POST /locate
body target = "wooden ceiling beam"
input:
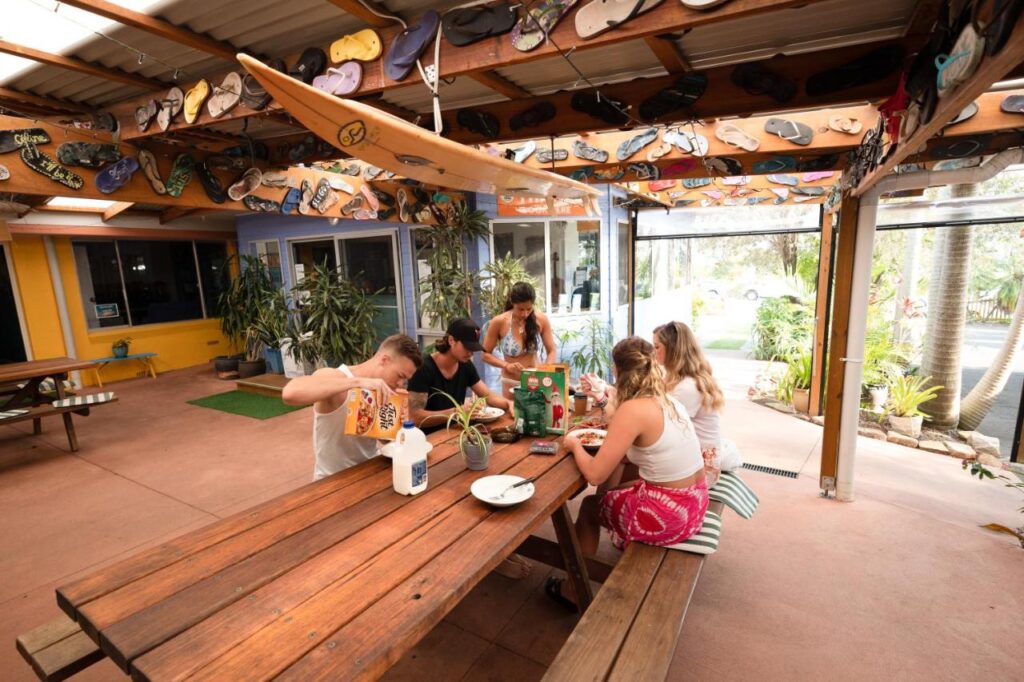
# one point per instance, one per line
(41, 102)
(359, 10)
(157, 27)
(668, 53)
(498, 52)
(500, 84)
(175, 212)
(990, 70)
(116, 210)
(88, 68)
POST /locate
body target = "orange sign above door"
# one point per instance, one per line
(538, 206)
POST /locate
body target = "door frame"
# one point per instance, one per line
(16, 291)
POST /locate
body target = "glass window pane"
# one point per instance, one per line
(575, 266)
(623, 237)
(161, 281)
(369, 262)
(526, 241)
(269, 252)
(100, 284)
(308, 254)
(213, 258)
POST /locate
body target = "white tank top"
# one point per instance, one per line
(675, 455)
(705, 421)
(333, 449)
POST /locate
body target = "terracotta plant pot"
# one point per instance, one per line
(908, 426)
(801, 400)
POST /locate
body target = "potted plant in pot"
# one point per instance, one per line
(798, 379)
(906, 395)
(475, 439)
(334, 317)
(239, 307)
(449, 286)
(120, 347)
(273, 326)
(253, 364)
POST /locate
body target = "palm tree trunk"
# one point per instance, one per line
(934, 290)
(948, 313)
(981, 398)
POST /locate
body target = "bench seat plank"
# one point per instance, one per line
(58, 649)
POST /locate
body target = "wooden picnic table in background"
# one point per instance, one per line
(337, 579)
(32, 374)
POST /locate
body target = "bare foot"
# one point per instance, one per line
(514, 567)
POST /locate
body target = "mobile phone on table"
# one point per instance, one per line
(543, 447)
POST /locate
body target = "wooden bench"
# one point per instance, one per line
(38, 413)
(631, 629)
(144, 358)
(58, 649)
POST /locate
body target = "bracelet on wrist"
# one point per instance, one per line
(602, 403)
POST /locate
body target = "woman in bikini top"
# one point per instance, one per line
(518, 334)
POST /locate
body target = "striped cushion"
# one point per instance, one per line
(83, 400)
(706, 539)
(7, 414)
(731, 491)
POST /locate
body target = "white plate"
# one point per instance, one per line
(487, 487)
(600, 432)
(386, 449)
(489, 414)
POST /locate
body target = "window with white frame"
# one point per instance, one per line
(269, 251)
(136, 282)
(563, 255)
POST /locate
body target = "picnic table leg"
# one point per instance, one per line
(575, 566)
(69, 426)
(152, 368)
(98, 379)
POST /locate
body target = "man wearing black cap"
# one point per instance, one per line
(449, 369)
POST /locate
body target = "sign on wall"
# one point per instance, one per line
(537, 206)
(106, 310)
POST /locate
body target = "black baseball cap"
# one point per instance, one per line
(467, 332)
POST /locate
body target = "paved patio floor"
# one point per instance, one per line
(901, 584)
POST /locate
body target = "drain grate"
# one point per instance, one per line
(770, 470)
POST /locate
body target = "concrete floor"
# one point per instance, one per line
(901, 584)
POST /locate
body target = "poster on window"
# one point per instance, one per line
(106, 310)
(511, 206)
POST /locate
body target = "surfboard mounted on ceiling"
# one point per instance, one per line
(388, 142)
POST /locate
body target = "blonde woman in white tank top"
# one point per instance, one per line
(650, 429)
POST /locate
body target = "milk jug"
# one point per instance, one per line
(409, 461)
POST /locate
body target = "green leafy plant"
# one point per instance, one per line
(907, 394)
(797, 376)
(339, 314)
(462, 416)
(496, 280)
(884, 359)
(241, 298)
(449, 286)
(782, 328)
(595, 353)
(254, 344)
(124, 341)
(982, 472)
(272, 321)
(564, 337)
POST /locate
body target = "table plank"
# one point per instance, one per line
(365, 647)
(293, 537)
(72, 596)
(19, 371)
(304, 563)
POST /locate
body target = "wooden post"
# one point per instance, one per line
(575, 564)
(822, 315)
(846, 242)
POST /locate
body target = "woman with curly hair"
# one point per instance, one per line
(651, 429)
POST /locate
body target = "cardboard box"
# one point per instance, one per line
(552, 382)
(369, 418)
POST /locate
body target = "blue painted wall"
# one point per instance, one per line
(260, 227)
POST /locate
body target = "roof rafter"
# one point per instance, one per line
(500, 84)
(88, 68)
(360, 11)
(157, 27)
(668, 53)
(117, 209)
(42, 102)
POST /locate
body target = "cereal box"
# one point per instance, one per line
(370, 418)
(551, 382)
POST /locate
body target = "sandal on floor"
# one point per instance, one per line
(553, 588)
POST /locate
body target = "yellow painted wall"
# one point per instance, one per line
(177, 344)
(37, 297)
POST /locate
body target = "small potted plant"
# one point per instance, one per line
(906, 395)
(120, 347)
(799, 371)
(475, 439)
(253, 364)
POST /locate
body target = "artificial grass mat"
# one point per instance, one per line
(245, 404)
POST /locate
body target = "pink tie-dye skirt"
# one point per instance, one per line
(652, 514)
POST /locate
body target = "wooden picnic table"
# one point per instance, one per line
(32, 374)
(334, 580)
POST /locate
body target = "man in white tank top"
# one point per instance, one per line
(327, 389)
